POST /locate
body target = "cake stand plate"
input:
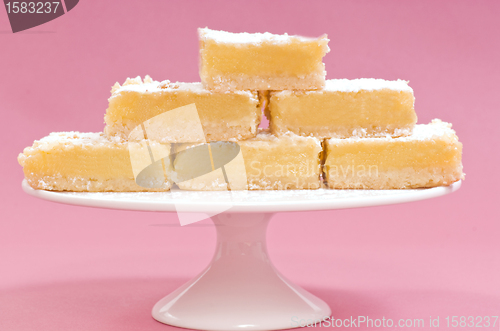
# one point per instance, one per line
(240, 289)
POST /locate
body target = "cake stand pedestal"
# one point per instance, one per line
(241, 289)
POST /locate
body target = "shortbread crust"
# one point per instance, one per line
(261, 61)
(74, 161)
(228, 116)
(345, 108)
(431, 156)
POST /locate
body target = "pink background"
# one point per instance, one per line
(75, 268)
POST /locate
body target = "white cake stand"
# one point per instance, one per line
(240, 289)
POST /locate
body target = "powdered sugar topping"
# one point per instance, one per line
(151, 86)
(56, 139)
(367, 84)
(248, 38)
(290, 138)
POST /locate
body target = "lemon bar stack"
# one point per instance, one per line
(337, 134)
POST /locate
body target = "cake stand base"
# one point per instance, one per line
(240, 289)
